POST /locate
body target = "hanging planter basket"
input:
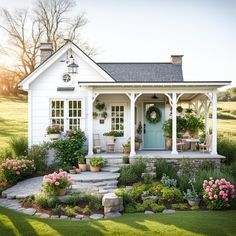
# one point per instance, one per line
(153, 115)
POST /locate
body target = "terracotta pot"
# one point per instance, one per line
(54, 136)
(61, 192)
(72, 171)
(77, 170)
(194, 202)
(83, 167)
(137, 146)
(95, 168)
(168, 143)
(126, 150)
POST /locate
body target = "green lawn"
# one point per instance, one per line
(13, 118)
(180, 223)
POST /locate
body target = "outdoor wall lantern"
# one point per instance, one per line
(72, 67)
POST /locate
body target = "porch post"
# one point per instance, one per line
(90, 122)
(214, 123)
(132, 124)
(206, 117)
(174, 128)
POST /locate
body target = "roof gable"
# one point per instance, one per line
(55, 56)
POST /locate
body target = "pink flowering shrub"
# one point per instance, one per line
(55, 181)
(14, 170)
(218, 194)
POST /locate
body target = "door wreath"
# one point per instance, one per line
(153, 115)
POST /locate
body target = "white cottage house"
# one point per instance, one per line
(56, 95)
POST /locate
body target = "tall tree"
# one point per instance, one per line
(50, 21)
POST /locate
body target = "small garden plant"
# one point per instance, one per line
(53, 183)
(17, 169)
(218, 194)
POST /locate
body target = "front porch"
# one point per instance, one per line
(125, 110)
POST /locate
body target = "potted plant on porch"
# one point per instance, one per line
(53, 132)
(96, 163)
(126, 148)
(82, 162)
(167, 127)
(138, 141)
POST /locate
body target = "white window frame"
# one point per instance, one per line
(124, 117)
(66, 112)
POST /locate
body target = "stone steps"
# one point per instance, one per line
(112, 169)
(93, 177)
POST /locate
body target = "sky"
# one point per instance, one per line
(204, 31)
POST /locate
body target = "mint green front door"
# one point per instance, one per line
(153, 133)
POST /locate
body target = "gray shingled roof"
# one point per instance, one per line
(143, 72)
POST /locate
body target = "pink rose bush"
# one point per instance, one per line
(218, 194)
(55, 181)
(14, 170)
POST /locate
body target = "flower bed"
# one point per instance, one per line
(218, 194)
(15, 170)
(54, 183)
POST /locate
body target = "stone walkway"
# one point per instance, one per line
(24, 188)
(99, 182)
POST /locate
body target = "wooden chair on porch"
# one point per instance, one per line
(96, 143)
(180, 144)
(110, 144)
(206, 146)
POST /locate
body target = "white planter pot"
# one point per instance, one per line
(53, 136)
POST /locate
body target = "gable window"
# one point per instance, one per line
(66, 113)
(117, 118)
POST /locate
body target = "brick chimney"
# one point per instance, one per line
(46, 51)
(176, 59)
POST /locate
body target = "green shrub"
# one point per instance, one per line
(157, 208)
(226, 146)
(207, 165)
(137, 191)
(194, 208)
(147, 179)
(122, 192)
(183, 182)
(140, 207)
(38, 153)
(133, 172)
(92, 201)
(19, 145)
(179, 206)
(56, 210)
(127, 175)
(97, 162)
(148, 202)
(44, 201)
(139, 166)
(16, 169)
(41, 201)
(229, 169)
(163, 167)
(166, 181)
(130, 208)
(69, 212)
(206, 174)
(86, 210)
(68, 149)
(73, 200)
(171, 194)
(156, 189)
(77, 209)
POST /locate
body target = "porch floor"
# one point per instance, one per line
(161, 154)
